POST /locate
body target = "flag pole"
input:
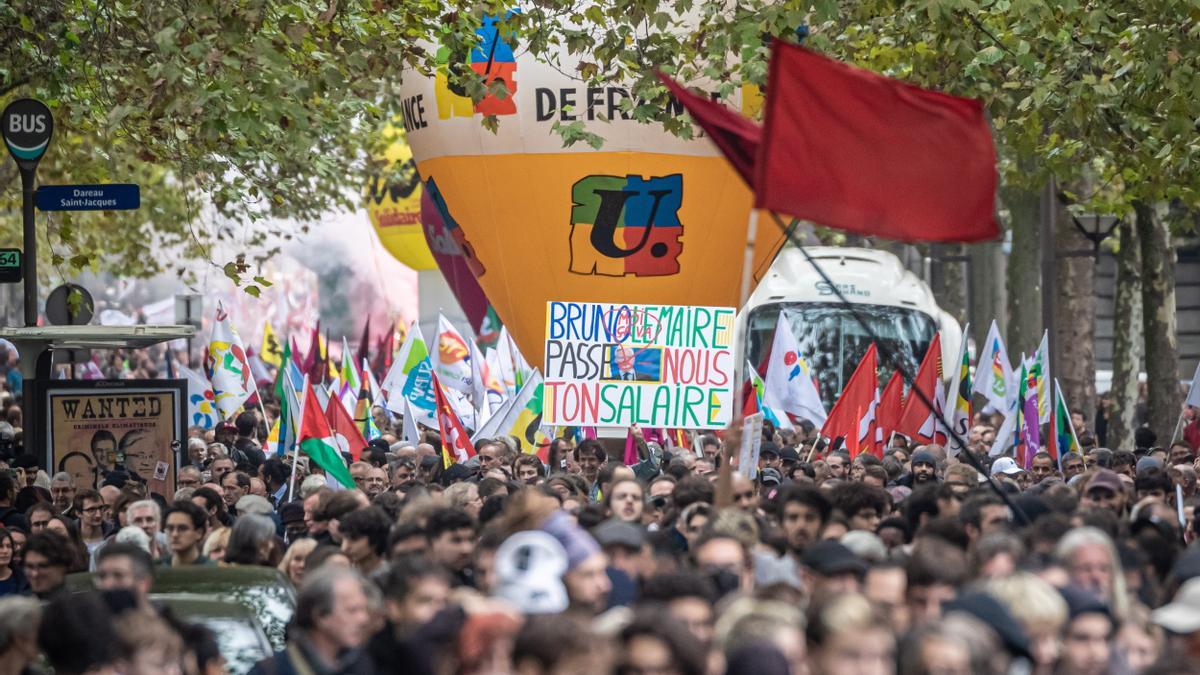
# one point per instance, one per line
(296, 439)
(1178, 427)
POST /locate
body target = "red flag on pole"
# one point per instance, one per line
(737, 137)
(857, 151)
(860, 152)
(456, 444)
(345, 432)
(855, 404)
(914, 418)
(890, 405)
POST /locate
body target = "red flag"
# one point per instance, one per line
(854, 150)
(314, 350)
(890, 405)
(364, 344)
(855, 405)
(915, 417)
(456, 444)
(383, 354)
(737, 137)
(345, 432)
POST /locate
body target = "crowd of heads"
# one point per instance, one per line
(573, 559)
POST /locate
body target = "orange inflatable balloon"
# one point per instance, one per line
(649, 218)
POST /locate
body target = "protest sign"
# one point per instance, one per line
(613, 365)
(748, 453)
(96, 426)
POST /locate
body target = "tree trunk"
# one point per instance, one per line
(1164, 399)
(1127, 340)
(952, 291)
(988, 293)
(1075, 324)
(1024, 273)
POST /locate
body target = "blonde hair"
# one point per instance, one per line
(218, 538)
(299, 548)
(457, 494)
(1032, 601)
(745, 621)
(735, 524)
(138, 631)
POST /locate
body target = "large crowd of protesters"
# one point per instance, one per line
(579, 563)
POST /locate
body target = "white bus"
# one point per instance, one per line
(898, 306)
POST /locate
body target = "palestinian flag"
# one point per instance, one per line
(316, 441)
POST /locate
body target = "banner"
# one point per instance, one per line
(614, 365)
(106, 424)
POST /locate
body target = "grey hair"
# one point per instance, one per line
(196, 444)
(1079, 537)
(63, 476)
(318, 593)
(132, 534)
(310, 485)
(184, 494)
(249, 533)
(19, 616)
(146, 504)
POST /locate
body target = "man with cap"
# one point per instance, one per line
(923, 466)
(829, 567)
(624, 544)
(768, 457)
(768, 480)
(1087, 636)
(291, 516)
(1006, 467)
(1181, 619)
(789, 457)
(1105, 491)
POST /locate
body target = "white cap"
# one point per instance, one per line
(529, 569)
(1007, 466)
(1182, 615)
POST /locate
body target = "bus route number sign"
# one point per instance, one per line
(10, 265)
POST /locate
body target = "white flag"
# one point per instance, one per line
(960, 406)
(1193, 397)
(789, 381)
(993, 371)
(451, 357)
(1044, 392)
(202, 411)
(228, 369)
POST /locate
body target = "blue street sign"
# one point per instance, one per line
(106, 197)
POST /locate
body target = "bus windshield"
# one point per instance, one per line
(834, 342)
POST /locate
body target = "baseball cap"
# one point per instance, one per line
(830, 557)
(1106, 478)
(1147, 463)
(619, 533)
(770, 476)
(1007, 466)
(768, 449)
(1181, 615)
(789, 454)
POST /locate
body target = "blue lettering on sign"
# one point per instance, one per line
(105, 197)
